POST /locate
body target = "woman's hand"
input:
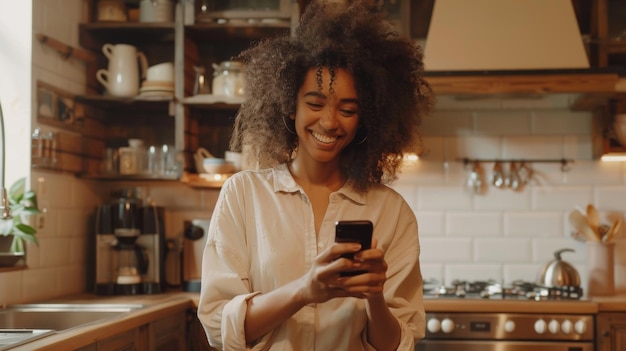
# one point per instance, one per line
(323, 281)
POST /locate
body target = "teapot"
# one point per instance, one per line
(558, 273)
(122, 76)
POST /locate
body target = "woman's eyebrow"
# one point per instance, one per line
(315, 94)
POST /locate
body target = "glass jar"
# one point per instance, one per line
(228, 79)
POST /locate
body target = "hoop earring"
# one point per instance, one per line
(360, 131)
(291, 130)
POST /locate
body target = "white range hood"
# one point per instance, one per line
(493, 35)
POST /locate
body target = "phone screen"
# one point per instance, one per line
(354, 231)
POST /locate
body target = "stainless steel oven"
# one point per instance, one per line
(486, 316)
(475, 331)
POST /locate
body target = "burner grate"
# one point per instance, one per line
(490, 289)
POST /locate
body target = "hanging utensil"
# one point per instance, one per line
(497, 175)
(514, 181)
(475, 179)
(580, 222)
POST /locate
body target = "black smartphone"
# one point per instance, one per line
(354, 231)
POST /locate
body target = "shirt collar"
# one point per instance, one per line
(283, 181)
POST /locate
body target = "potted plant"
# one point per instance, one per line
(16, 229)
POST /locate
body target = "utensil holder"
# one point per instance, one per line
(600, 264)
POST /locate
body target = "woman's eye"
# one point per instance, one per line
(314, 105)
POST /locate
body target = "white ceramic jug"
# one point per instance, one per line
(122, 76)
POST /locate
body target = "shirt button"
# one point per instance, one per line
(320, 246)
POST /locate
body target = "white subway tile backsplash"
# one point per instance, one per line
(503, 199)
(11, 287)
(437, 250)
(544, 250)
(473, 272)
(579, 147)
(561, 122)
(592, 172)
(533, 224)
(501, 250)
(474, 224)
(525, 272)
(443, 198)
(474, 147)
(611, 198)
(531, 147)
(563, 198)
(430, 223)
(497, 123)
(448, 123)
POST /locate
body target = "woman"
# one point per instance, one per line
(328, 115)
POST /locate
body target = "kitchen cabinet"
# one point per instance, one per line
(611, 332)
(165, 334)
(184, 121)
(169, 333)
(127, 341)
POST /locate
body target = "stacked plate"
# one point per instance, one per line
(156, 88)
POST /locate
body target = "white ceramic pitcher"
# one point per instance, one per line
(122, 76)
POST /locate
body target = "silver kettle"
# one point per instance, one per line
(558, 273)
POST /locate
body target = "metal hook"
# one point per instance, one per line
(565, 165)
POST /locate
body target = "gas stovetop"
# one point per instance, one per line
(490, 289)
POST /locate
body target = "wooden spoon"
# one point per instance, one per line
(594, 219)
(580, 222)
(610, 234)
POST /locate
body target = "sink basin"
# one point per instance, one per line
(52, 316)
(10, 338)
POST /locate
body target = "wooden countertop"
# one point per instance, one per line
(157, 307)
(161, 305)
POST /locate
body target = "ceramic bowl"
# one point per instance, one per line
(620, 128)
(217, 165)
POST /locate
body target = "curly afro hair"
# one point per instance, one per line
(388, 73)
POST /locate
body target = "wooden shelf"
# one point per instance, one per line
(139, 102)
(212, 102)
(544, 83)
(196, 180)
(242, 32)
(125, 32)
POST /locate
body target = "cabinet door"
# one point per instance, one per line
(92, 347)
(611, 332)
(169, 333)
(127, 341)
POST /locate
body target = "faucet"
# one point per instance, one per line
(5, 208)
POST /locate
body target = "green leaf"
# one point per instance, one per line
(26, 229)
(17, 190)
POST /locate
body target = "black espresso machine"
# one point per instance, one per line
(129, 246)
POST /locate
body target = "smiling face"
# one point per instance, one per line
(326, 120)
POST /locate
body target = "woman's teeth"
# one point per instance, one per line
(323, 138)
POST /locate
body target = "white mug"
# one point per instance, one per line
(163, 72)
(122, 76)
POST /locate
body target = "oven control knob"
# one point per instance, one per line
(553, 326)
(540, 326)
(433, 325)
(566, 326)
(509, 326)
(580, 327)
(447, 325)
